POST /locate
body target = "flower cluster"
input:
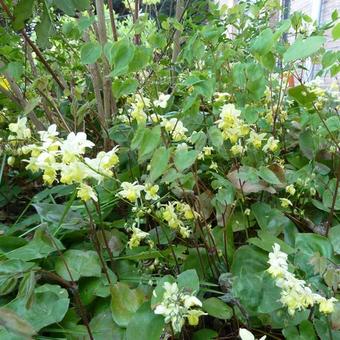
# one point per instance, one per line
(230, 123)
(174, 213)
(176, 306)
(132, 191)
(65, 157)
(295, 294)
(234, 129)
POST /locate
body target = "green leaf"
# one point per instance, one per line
(22, 12)
(125, 302)
(189, 281)
(70, 6)
(329, 58)
(90, 52)
(269, 219)
(215, 136)
(103, 327)
(263, 43)
(307, 143)
(145, 324)
(185, 159)
(334, 237)
(303, 48)
(80, 264)
(122, 88)
(159, 162)
(217, 308)
(15, 267)
(13, 323)
(302, 95)
(336, 31)
(41, 246)
(15, 69)
(44, 28)
(328, 195)
(50, 304)
(96, 286)
(251, 258)
(268, 175)
(141, 58)
(122, 54)
(308, 245)
(149, 143)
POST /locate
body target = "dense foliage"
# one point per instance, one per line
(167, 176)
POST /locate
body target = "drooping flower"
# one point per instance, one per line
(177, 306)
(20, 129)
(247, 335)
(74, 145)
(271, 145)
(295, 294)
(137, 236)
(290, 189)
(151, 192)
(85, 193)
(131, 191)
(176, 128)
(162, 100)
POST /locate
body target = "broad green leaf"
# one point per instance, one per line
(268, 175)
(217, 308)
(12, 322)
(23, 11)
(145, 324)
(336, 31)
(90, 52)
(159, 162)
(80, 264)
(308, 245)
(308, 144)
(122, 88)
(215, 136)
(41, 246)
(263, 42)
(149, 142)
(15, 70)
(185, 159)
(125, 302)
(8, 243)
(70, 6)
(328, 195)
(44, 28)
(15, 267)
(329, 58)
(7, 284)
(141, 58)
(302, 95)
(269, 219)
(50, 304)
(303, 48)
(250, 258)
(103, 327)
(334, 237)
(266, 241)
(122, 54)
(92, 287)
(189, 281)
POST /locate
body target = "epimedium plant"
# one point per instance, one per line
(167, 177)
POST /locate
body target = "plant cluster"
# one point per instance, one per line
(168, 177)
